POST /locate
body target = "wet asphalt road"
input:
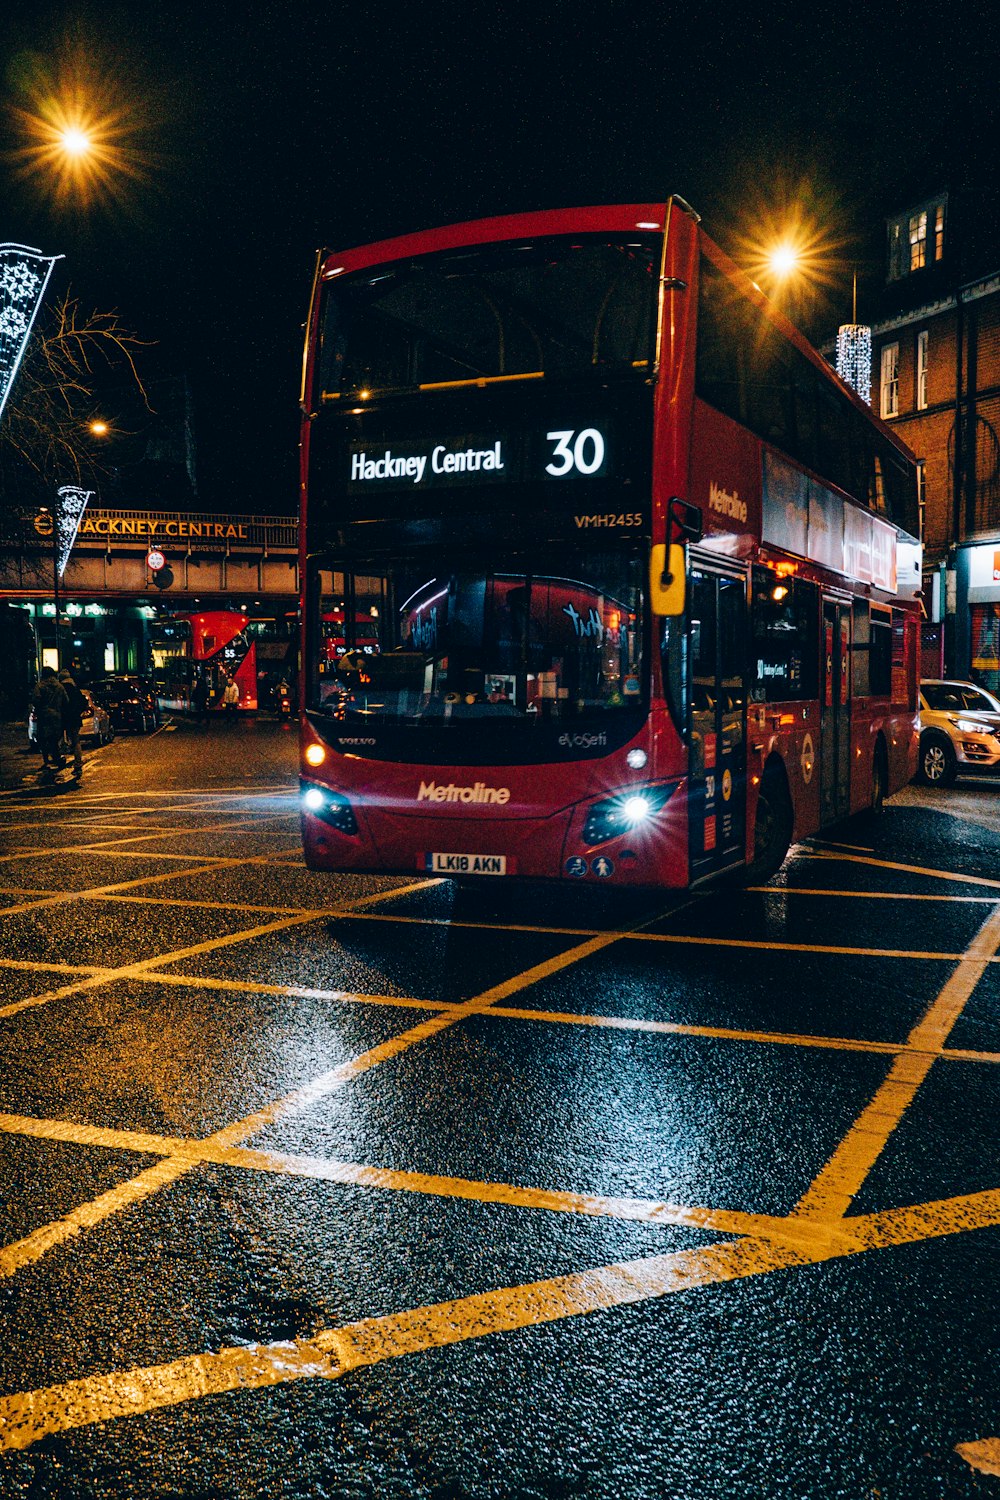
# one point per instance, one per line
(324, 1187)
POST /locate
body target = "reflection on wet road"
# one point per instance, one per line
(310, 1181)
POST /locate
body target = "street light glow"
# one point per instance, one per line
(99, 428)
(75, 142)
(784, 259)
(791, 243)
(78, 124)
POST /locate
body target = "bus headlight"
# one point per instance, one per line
(331, 808)
(315, 754)
(621, 814)
(635, 810)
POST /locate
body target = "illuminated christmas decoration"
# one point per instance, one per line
(24, 275)
(854, 352)
(854, 358)
(69, 513)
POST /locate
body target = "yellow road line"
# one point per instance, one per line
(299, 1099)
(32, 965)
(62, 898)
(354, 1174)
(74, 1134)
(115, 846)
(713, 1033)
(894, 896)
(769, 946)
(24, 1252)
(983, 1455)
(301, 992)
(320, 1087)
(106, 817)
(143, 967)
(967, 1054)
(887, 864)
(201, 905)
(28, 1416)
(55, 851)
(470, 926)
(842, 1177)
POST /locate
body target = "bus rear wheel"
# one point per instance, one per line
(772, 831)
(880, 780)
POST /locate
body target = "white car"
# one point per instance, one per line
(96, 726)
(959, 731)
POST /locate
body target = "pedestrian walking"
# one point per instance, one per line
(199, 699)
(49, 702)
(230, 699)
(73, 711)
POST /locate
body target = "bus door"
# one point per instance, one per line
(717, 693)
(835, 712)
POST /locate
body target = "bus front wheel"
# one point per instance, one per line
(772, 831)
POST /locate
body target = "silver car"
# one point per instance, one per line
(959, 731)
(96, 727)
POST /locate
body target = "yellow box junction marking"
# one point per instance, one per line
(816, 1231)
(28, 1416)
(830, 1195)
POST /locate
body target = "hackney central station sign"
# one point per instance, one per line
(145, 527)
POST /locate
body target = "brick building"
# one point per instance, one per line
(936, 379)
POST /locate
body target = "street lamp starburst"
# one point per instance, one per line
(76, 142)
(78, 132)
(792, 241)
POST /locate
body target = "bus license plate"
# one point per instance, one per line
(466, 864)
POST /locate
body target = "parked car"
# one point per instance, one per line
(150, 700)
(959, 731)
(130, 702)
(97, 727)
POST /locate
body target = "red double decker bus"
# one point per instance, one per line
(625, 573)
(212, 643)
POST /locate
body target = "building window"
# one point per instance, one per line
(922, 342)
(921, 494)
(918, 240)
(939, 231)
(889, 383)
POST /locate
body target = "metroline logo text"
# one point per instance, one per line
(431, 792)
(726, 504)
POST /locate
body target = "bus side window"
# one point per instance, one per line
(785, 638)
(902, 690)
(674, 663)
(861, 650)
(881, 654)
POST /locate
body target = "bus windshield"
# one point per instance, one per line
(552, 307)
(444, 641)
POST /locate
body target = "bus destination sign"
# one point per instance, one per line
(557, 453)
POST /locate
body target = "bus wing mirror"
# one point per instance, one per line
(666, 579)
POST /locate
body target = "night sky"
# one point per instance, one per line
(253, 135)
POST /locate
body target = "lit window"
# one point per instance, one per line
(918, 240)
(889, 383)
(939, 232)
(922, 341)
(921, 492)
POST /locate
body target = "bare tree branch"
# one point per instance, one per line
(56, 390)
